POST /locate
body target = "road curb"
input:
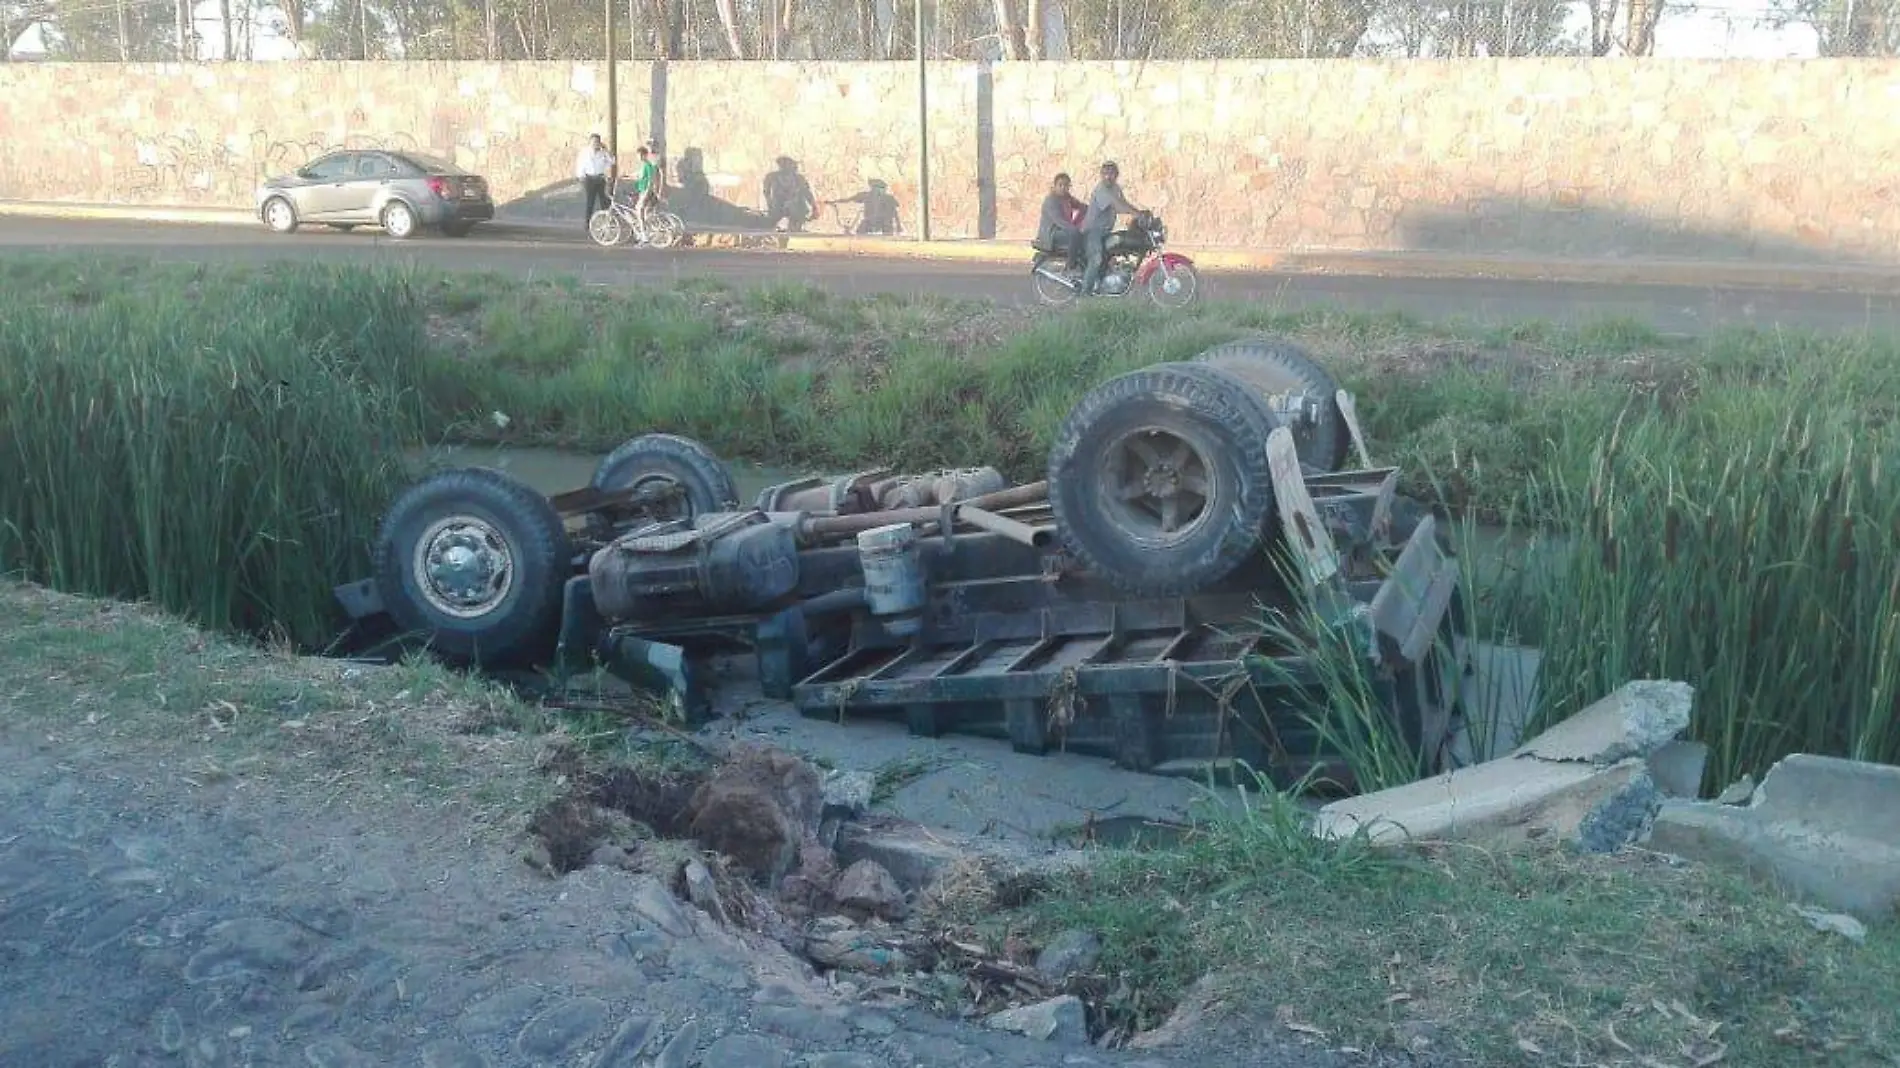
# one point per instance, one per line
(1350, 264)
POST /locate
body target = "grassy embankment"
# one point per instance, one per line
(220, 442)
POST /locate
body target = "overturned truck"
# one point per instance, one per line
(1157, 600)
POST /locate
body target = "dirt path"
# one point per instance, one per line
(145, 919)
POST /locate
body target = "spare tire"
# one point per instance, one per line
(704, 482)
(1159, 479)
(476, 562)
(1274, 368)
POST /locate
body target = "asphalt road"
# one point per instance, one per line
(1676, 309)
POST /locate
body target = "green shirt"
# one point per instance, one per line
(647, 173)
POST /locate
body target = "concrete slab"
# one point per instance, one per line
(1821, 827)
(1678, 768)
(1636, 720)
(1511, 799)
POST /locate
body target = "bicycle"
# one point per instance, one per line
(618, 222)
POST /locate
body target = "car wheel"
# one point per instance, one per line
(399, 220)
(1159, 478)
(1278, 372)
(477, 562)
(280, 216)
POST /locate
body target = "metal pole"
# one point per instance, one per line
(613, 90)
(923, 132)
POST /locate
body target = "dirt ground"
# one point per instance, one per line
(214, 856)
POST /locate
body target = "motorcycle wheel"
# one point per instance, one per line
(1176, 290)
(1052, 292)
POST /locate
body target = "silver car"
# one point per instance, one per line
(398, 191)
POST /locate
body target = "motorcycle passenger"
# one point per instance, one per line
(1104, 204)
(1061, 216)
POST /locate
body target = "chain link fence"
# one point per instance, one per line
(1003, 30)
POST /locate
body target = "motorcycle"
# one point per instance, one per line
(1135, 259)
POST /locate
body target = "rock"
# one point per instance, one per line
(680, 1050)
(809, 886)
(911, 858)
(535, 855)
(653, 901)
(628, 1042)
(1621, 817)
(1638, 719)
(1833, 923)
(701, 891)
(848, 793)
(844, 1060)
(758, 809)
(867, 887)
(608, 856)
(744, 1051)
(1678, 766)
(836, 942)
(873, 1023)
(1199, 1005)
(1821, 826)
(1738, 792)
(558, 1031)
(1072, 952)
(1060, 1019)
(801, 1024)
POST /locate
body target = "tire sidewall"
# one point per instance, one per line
(290, 212)
(397, 209)
(707, 483)
(518, 626)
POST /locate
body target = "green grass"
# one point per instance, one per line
(218, 448)
(1718, 545)
(1484, 957)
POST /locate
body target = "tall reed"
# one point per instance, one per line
(224, 456)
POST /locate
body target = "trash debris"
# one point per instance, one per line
(1832, 923)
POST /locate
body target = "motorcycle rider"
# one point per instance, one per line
(1104, 203)
(1061, 216)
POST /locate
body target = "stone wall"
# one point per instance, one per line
(1735, 159)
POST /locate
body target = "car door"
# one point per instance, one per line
(325, 180)
(364, 194)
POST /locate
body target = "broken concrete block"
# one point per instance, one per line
(1512, 798)
(866, 887)
(1678, 766)
(847, 793)
(1638, 719)
(1822, 827)
(912, 857)
(1739, 792)
(1833, 923)
(1060, 1019)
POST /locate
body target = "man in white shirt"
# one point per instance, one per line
(593, 167)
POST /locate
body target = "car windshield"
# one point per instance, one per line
(432, 164)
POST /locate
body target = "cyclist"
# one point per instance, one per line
(645, 186)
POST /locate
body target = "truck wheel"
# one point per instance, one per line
(654, 460)
(475, 561)
(1159, 478)
(1273, 369)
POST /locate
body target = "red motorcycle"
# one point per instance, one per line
(1135, 260)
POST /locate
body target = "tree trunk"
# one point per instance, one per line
(787, 23)
(729, 21)
(1640, 34)
(1034, 44)
(1007, 31)
(229, 51)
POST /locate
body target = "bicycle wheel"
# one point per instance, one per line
(604, 227)
(665, 230)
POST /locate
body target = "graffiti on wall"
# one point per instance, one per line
(192, 167)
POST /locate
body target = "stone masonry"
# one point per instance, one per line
(1733, 160)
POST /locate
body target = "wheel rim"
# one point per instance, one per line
(604, 229)
(397, 220)
(1051, 291)
(278, 214)
(463, 567)
(1173, 289)
(1161, 486)
(679, 507)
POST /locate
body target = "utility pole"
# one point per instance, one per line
(923, 131)
(613, 90)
